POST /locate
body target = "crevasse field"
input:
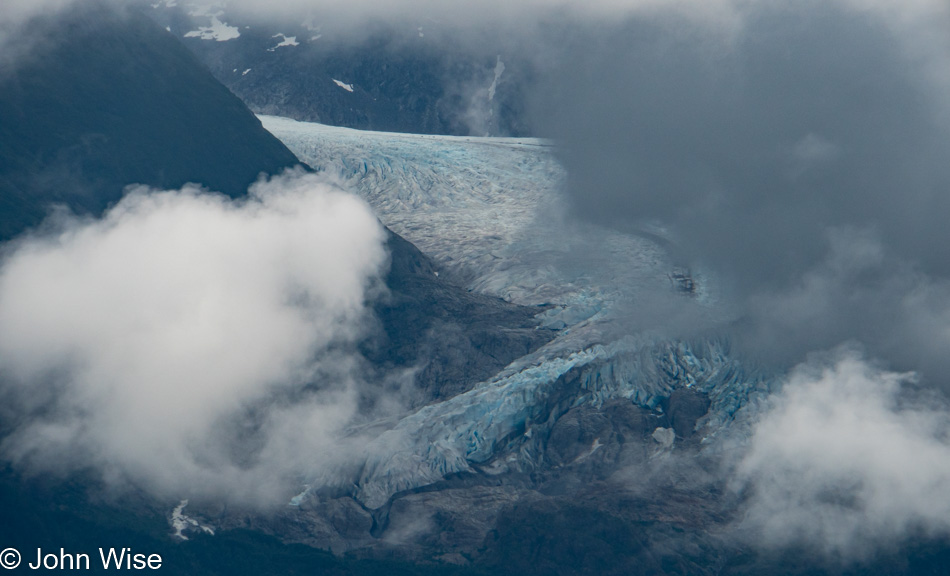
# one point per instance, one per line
(487, 210)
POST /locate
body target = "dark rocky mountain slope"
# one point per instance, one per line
(398, 78)
(103, 99)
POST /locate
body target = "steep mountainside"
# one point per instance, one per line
(396, 78)
(105, 99)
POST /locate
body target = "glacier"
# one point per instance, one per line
(482, 208)
(489, 212)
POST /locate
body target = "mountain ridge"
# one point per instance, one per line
(112, 100)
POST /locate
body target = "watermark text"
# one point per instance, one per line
(107, 558)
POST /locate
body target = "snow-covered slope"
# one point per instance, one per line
(487, 210)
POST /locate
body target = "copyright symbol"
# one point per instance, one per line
(10, 558)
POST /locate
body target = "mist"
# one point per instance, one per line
(189, 344)
(15, 41)
(799, 153)
(846, 462)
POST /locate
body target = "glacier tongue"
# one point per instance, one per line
(505, 414)
(483, 209)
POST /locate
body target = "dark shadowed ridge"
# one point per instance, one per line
(106, 98)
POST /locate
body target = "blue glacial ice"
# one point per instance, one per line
(487, 210)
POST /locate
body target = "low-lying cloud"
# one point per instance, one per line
(15, 15)
(798, 153)
(845, 463)
(773, 151)
(187, 342)
(859, 291)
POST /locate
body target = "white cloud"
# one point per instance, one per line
(15, 41)
(845, 463)
(186, 341)
(19, 10)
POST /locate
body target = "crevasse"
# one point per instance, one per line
(487, 211)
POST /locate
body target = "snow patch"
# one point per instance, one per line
(664, 437)
(286, 41)
(300, 498)
(347, 87)
(499, 70)
(180, 522)
(218, 30)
